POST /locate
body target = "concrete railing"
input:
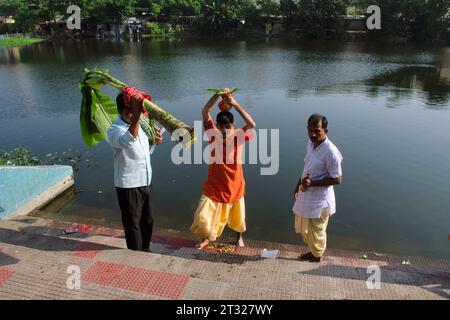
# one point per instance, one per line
(24, 189)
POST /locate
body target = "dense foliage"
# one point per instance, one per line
(421, 18)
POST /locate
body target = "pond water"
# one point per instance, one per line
(387, 105)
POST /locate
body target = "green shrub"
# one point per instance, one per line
(162, 29)
(153, 28)
(178, 28)
(167, 28)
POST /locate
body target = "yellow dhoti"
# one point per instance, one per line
(313, 231)
(211, 217)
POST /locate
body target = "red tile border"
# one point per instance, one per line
(5, 274)
(87, 250)
(150, 282)
(104, 273)
(178, 242)
(160, 240)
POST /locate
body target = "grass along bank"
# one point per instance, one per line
(19, 41)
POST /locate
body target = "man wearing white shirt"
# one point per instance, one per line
(133, 173)
(314, 192)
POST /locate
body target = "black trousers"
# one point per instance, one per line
(136, 205)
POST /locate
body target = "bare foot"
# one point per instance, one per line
(306, 256)
(310, 257)
(315, 259)
(202, 244)
(240, 242)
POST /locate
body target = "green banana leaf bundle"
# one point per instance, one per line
(221, 92)
(98, 112)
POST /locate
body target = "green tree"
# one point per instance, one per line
(268, 7)
(171, 9)
(249, 11)
(176, 8)
(430, 19)
(25, 17)
(218, 16)
(289, 10)
(155, 8)
(87, 9)
(316, 17)
(423, 19)
(49, 10)
(112, 11)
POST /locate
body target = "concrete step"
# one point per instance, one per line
(39, 244)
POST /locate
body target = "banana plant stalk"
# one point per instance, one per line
(98, 111)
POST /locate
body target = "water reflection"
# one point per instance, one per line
(192, 65)
(400, 86)
(374, 95)
(433, 82)
(82, 50)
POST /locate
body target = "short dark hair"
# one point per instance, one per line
(120, 103)
(224, 117)
(317, 118)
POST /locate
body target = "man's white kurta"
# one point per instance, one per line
(321, 163)
(132, 166)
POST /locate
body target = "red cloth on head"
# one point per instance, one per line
(128, 92)
(221, 106)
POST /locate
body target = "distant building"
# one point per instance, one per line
(355, 23)
(4, 19)
(355, 27)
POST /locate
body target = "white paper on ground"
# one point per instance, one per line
(269, 254)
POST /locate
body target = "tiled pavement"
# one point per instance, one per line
(35, 256)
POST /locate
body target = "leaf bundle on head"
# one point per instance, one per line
(98, 111)
(222, 92)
